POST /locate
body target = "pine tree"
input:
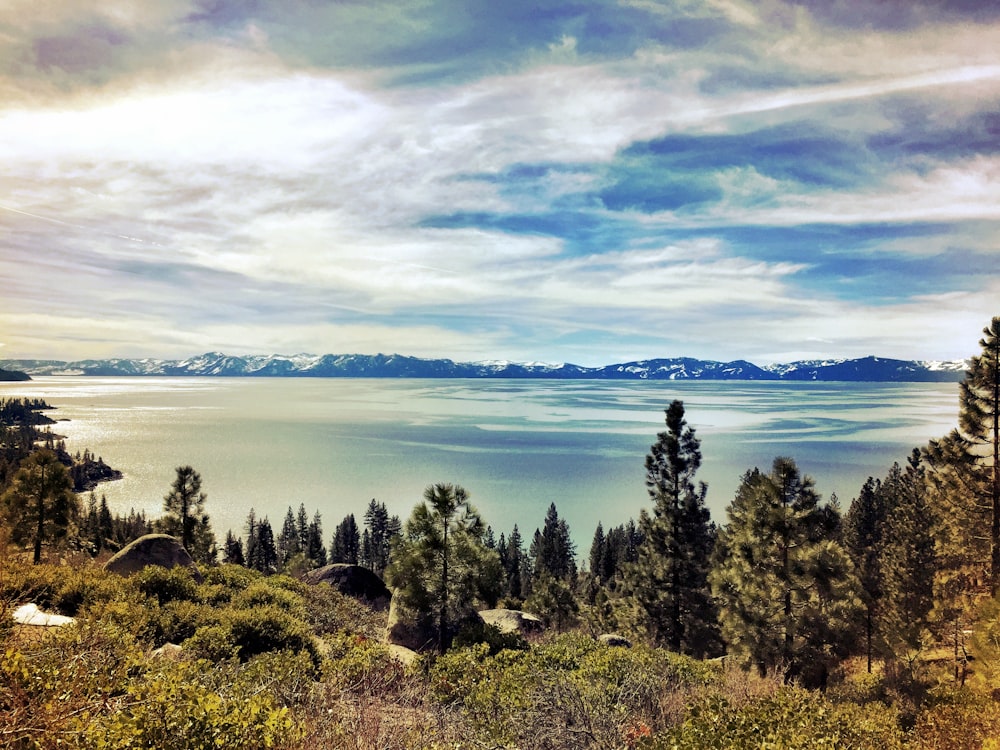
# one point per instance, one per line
(668, 585)
(315, 550)
(552, 548)
(289, 544)
(346, 544)
(232, 551)
(185, 515)
(599, 554)
(909, 563)
(441, 568)
(381, 532)
(252, 551)
(39, 506)
(964, 466)
(515, 566)
(787, 594)
(267, 551)
(863, 534)
(302, 525)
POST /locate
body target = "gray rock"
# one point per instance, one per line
(613, 639)
(168, 651)
(405, 656)
(404, 630)
(152, 549)
(353, 580)
(513, 621)
(417, 633)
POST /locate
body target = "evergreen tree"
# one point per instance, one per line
(105, 523)
(599, 554)
(380, 533)
(185, 515)
(514, 568)
(863, 537)
(232, 551)
(965, 465)
(909, 560)
(315, 550)
(787, 594)
(267, 551)
(668, 585)
(39, 506)
(440, 568)
(302, 525)
(288, 543)
(346, 544)
(252, 552)
(552, 548)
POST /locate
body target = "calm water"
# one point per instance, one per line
(334, 444)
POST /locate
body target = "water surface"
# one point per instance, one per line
(334, 444)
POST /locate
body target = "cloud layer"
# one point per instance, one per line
(533, 181)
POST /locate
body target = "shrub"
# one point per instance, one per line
(956, 719)
(268, 628)
(496, 639)
(265, 594)
(329, 611)
(186, 704)
(791, 719)
(362, 666)
(167, 584)
(565, 691)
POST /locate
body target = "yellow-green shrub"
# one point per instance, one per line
(790, 719)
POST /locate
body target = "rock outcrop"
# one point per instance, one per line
(31, 615)
(355, 581)
(152, 549)
(403, 630)
(513, 621)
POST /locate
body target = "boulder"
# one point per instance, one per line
(513, 621)
(403, 655)
(403, 630)
(168, 651)
(418, 633)
(613, 639)
(30, 614)
(152, 549)
(353, 580)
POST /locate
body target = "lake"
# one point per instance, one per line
(516, 446)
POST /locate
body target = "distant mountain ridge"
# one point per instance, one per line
(215, 364)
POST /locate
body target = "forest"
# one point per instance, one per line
(794, 622)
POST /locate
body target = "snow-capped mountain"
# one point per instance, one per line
(216, 364)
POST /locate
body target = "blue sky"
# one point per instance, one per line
(591, 182)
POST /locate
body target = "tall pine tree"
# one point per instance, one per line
(668, 585)
(787, 593)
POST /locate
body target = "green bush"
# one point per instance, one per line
(362, 666)
(565, 689)
(329, 611)
(267, 629)
(167, 584)
(182, 705)
(265, 594)
(178, 620)
(231, 578)
(790, 719)
(496, 639)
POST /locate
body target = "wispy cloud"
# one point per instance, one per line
(556, 181)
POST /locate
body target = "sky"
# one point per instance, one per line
(595, 181)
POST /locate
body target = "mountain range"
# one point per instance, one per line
(868, 369)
